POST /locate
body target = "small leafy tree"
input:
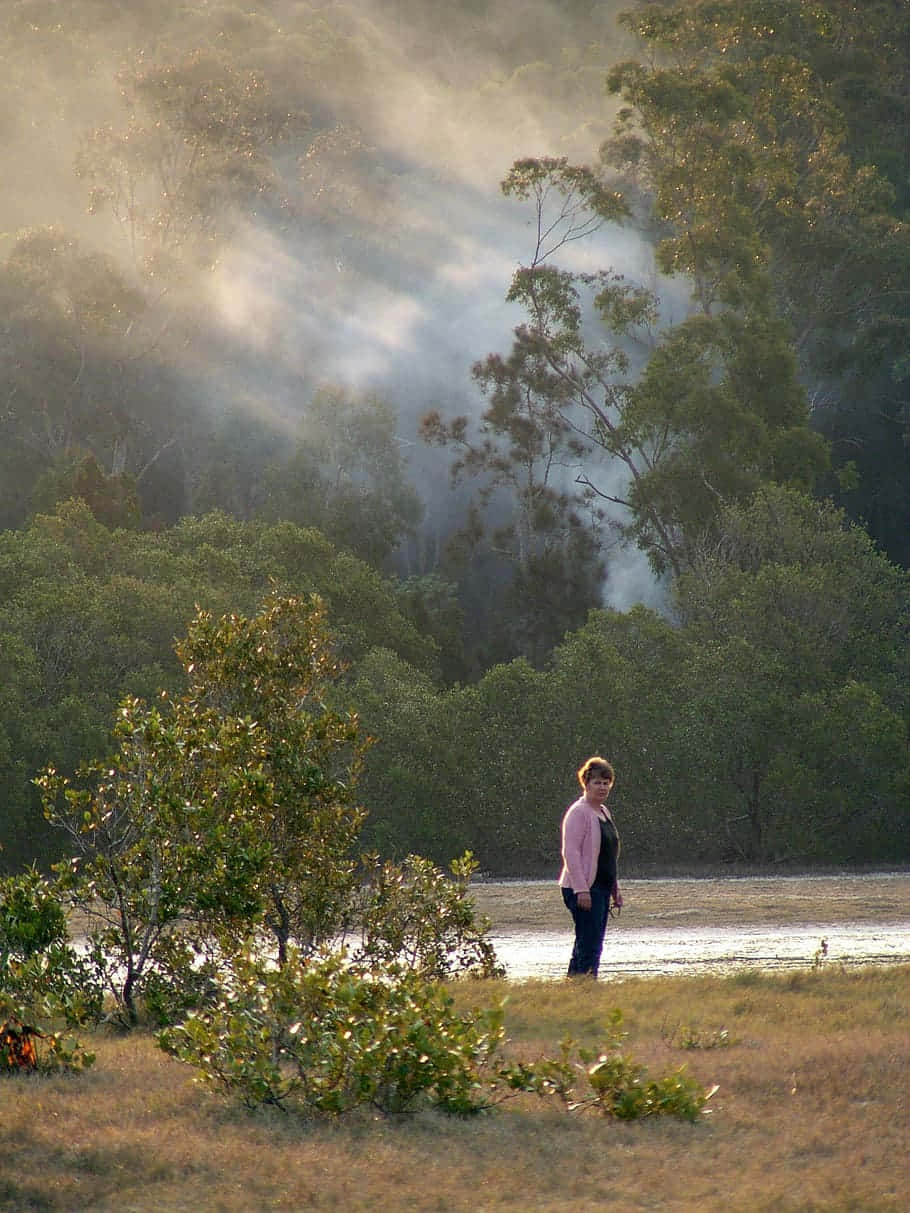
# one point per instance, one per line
(277, 670)
(228, 806)
(622, 1088)
(155, 865)
(228, 814)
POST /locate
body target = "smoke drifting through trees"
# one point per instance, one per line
(385, 269)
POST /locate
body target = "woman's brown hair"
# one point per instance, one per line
(595, 766)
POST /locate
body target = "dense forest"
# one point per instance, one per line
(561, 348)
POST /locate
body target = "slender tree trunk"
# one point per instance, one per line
(281, 926)
(756, 820)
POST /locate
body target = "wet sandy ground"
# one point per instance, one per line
(709, 925)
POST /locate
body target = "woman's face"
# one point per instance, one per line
(598, 787)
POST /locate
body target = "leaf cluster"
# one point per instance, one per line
(322, 1039)
(612, 1083)
(43, 980)
(415, 915)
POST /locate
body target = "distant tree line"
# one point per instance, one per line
(766, 723)
(89, 615)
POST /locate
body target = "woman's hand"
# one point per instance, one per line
(617, 897)
(583, 901)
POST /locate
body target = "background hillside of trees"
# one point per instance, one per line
(262, 331)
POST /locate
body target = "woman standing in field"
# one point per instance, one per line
(590, 851)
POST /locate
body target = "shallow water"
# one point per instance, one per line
(711, 926)
(681, 950)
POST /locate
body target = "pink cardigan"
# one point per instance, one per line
(580, 846)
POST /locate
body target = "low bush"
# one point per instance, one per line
(323, 1039)
(612, 1082)
(42, 980)
(414, 914)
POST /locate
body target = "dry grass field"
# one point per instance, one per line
(812, 1114)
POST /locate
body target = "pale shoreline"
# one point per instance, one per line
(691, 926)
(710, 901)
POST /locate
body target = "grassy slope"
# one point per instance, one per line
(813, 1113)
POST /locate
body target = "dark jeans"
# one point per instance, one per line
(590, 926)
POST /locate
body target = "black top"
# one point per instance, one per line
(607, 855)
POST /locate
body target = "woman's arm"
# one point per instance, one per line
(574, 831)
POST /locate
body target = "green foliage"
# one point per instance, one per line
(42, 979)
(514, 739)
(692, 1036)
(31, 918)
(797, 670)
(41, 975)
(88, 615)
(786, 662)
(406, 770)
(637, 664)
(138, 832)
(277, 671)
(322, 1039)
(431, 603)
(484, 790)
(717, 409)
(226, 807)
(623, 1089)
(418, 917)
(112, 499)
(726, 388)
(544, 1076)
(767, 136)
(613, 1083)
(229, 812)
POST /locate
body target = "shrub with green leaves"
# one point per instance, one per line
(622, 1088)
(614, 1083)
(321, 1038)
(692, 1036)
(31, 918)
(414, 914)
(43, 980)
